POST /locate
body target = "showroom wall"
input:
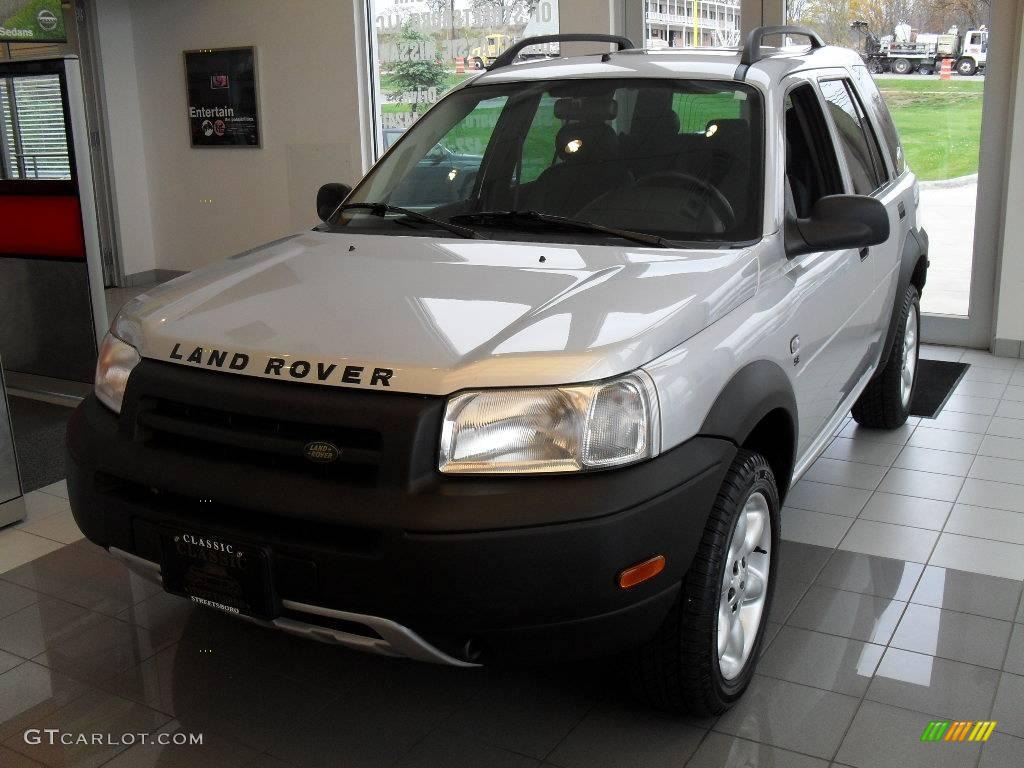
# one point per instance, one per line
(205, 204)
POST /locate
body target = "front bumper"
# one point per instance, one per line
(475, 567)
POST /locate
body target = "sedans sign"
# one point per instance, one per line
(32, 21)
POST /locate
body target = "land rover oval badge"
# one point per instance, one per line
(322, 452)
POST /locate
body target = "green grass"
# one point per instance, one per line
(939, 122)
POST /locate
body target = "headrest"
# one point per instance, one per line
(578, 142)
(588, 109)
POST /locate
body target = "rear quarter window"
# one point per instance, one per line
(879, 112)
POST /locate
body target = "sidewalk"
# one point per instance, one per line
(948, 215)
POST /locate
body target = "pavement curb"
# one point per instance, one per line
(959, 181)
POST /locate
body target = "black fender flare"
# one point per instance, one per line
(752, 393)
(914, 247)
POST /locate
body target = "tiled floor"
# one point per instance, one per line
(898, 602)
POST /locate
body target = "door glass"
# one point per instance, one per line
(691, 23)
(33, 137)
(860, 149)
(938, 116)
(419, 51)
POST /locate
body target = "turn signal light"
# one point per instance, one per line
(642, 572)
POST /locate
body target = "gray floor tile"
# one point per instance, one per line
(990, 389)
(940, 687)
(1002, 447)
(30, 692)
(1010, 409)
(1004, 427)
(818, 528)
(862, 451)
(1020, 612)
(883, 736)
(946, 440)
(1008, 710)
(11, 759)
(958, 422)
(801, 562)
(1001, 751)
(968, 593)
(31, 630)
(987, 523)
(959, 636)
(822, 661)
(907, 510)
(1015, 654)
(9, 661)
(722, 751)
(996, 375)
(94, 712)
(625, 738)
(846, 473)
(926, 485)
(870, 575)
(887, 540)
(892, 436)
(790, 716)
(984, 406)
(13, 598)
(931, 460)
(999, 470)
(787, 594)
(966, 553)
(831, 499)
(214, 752)
(443, 749)
(848, 614)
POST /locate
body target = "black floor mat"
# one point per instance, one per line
(39, 440)
(936, 380)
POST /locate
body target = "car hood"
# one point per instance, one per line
(413, 314)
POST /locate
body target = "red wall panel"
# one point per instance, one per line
(41, 225)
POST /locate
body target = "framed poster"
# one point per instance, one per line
(223, 103)
(32, 21)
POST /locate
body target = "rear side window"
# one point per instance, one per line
(863, 156)
(880, 112)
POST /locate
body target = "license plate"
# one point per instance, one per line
(218, 573)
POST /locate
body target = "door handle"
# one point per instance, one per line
(864, 253)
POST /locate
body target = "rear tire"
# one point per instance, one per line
(885, 403)
(966, 67)
(683, 668)
(902, 67)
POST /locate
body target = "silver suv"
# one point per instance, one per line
(538, 385)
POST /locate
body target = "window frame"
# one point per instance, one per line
(825, 131)
(882, 177)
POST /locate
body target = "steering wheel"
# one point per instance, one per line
(709, 195)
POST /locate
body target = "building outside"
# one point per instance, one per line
(689, 23)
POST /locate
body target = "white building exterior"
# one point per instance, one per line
(686, 23)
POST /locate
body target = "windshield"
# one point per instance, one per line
(681, 159)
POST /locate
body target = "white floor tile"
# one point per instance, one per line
(1016, 378)
(907, 510)
(18, 547)
(971, 388)
(1002, 447)
(1000, 470)
(946, 440)
(995, 558)
(60, 488)
(817, 528)
(1005, 427)
(986, 493)
(847, 473)
(895, 436)
(959, 422)
(41, 505)
(1015, 393)
(984, 406)
(929, 460)
(60, 527)
(926, 485)
(885, 540)
(976, 357)
(863, 451)
(938, 352)
(985, 523)
(1010, 410)
(830, 499)
(995, 375)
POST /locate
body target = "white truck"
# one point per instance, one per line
(545, 398)
(905, 51)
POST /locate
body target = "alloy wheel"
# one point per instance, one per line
(909, 369)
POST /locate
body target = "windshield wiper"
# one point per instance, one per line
(506, 218)
(382, 209)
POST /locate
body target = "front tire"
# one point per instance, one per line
(966, 67)
(902, 67)
(885, 403)
(703, 656)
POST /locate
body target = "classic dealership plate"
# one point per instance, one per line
(217, 573)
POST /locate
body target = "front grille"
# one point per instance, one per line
(260, 441)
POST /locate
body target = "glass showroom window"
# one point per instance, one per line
(691, 23)
(423, 48)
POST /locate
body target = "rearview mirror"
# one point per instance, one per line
(838, 221)
(329, 198)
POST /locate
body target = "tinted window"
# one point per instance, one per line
(812, 170)
(679, 158)
(880, 112)
(862, 154)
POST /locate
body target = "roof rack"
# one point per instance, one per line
(752, 47)
(510, 55)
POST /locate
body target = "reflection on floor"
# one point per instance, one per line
(898, 603)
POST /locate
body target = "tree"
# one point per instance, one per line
(415, 71)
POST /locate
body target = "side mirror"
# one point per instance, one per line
(329, 198)
(838, 221)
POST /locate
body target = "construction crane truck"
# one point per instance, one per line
(906, 51)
